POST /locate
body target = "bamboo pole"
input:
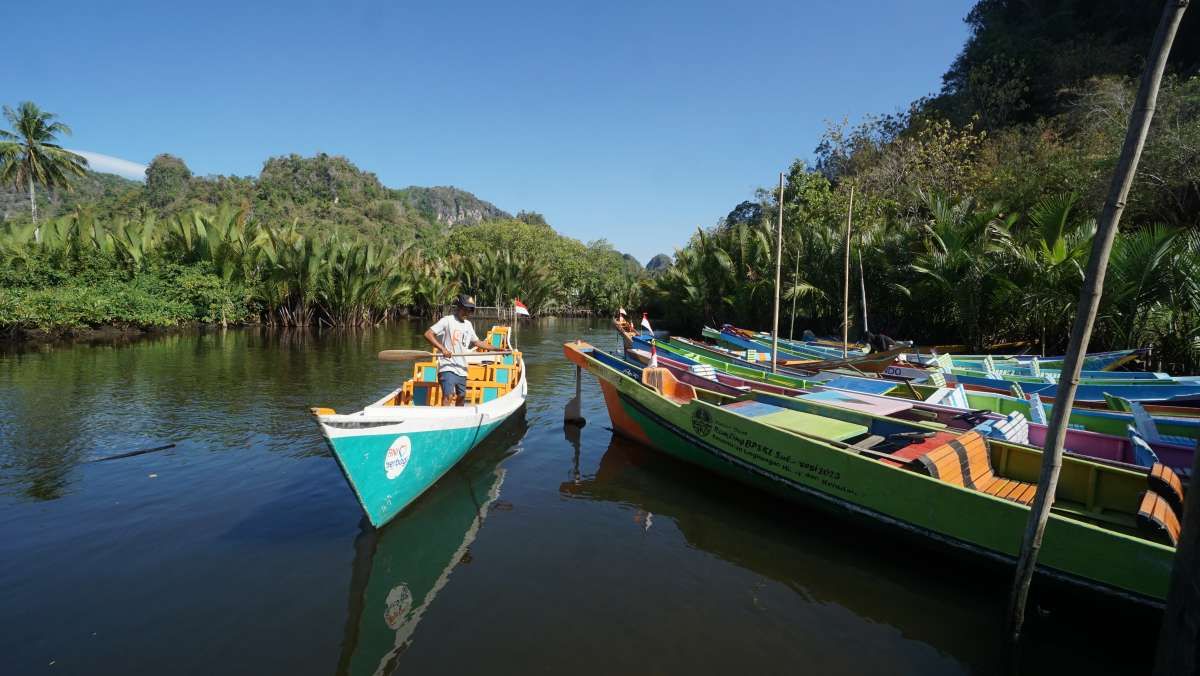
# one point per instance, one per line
(1085, 311)
(795, 279)
(778, 280)
(862, 284)
(846, 280)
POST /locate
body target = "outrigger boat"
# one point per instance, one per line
(1173, 436)
(1130, 449)
(1112, 529)
(396, 448)
(1095, 361)
(748, 340)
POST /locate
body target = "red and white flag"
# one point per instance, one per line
(646, 323)
(519, 308)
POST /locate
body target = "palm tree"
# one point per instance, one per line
(28, 154)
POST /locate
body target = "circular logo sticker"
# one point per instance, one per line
(397, 605)
(702, 422)
(397, 457)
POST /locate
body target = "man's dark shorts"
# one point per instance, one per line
(453, 384)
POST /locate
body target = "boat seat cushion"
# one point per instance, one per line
(1157, 518)
(966, 462)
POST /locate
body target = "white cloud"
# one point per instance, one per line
(113, 165)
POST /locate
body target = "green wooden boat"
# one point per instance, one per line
(1093, 420)
(1111, 531)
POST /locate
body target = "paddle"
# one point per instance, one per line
(414, 355)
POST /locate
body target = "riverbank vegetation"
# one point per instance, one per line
(974, 209)
(223, 267)
(310, 242)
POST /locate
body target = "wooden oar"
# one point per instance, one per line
(414, 355)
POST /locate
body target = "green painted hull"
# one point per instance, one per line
(810, 470)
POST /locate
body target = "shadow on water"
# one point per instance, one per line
(399, 569)
(953, 603)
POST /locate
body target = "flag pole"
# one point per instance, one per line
(778, 278)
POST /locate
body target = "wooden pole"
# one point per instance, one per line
(778, 281)
(1085, 311)
(795, 279)
(846, 280)
(862, 284)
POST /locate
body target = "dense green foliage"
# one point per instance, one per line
(310, 241)
(221, 266)
(974, 208)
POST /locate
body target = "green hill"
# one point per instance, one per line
(320, 193)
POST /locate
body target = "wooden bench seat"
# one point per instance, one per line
(1156, 517)
(965, 461)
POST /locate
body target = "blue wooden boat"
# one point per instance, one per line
(396, 448)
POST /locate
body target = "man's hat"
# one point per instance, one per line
(465, 301)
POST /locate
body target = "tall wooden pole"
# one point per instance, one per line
(1089, 302)
(846, 280)
(862, 284)
(778, 281)
(795, 279)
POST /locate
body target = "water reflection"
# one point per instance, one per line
(399, 570)
(950, 604)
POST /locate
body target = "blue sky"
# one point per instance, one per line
(635, 122)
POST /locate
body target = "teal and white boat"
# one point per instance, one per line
(396, 448)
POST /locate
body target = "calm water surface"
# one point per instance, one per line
(243, 551)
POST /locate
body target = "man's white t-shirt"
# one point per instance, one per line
(457, 336)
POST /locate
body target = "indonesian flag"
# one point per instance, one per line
(646, 323)
(519, 308)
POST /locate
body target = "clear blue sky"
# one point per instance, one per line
(632, 121)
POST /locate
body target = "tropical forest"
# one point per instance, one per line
(971, 213)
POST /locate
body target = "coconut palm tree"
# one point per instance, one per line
(29, 154)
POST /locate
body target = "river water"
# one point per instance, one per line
(243, 551)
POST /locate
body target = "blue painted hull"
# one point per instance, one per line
(385, 484)
(1092, 393)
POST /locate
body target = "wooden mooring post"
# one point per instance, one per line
(1085, 311)
(778, 282)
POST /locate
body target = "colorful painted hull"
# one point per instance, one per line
(390, 455)
(1096, 420)
(1088, 392)
(1094, 361)
(738, 367)
(818, 473)
(1103, 447)
(795, 353)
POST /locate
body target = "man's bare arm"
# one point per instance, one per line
(437, 344)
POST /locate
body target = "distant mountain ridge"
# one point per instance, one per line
(319, 192)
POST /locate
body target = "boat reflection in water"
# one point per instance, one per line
(834, 568)
(400, 569)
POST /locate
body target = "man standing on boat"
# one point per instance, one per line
(452, 336)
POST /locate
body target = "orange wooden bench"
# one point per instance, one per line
(965, 461)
